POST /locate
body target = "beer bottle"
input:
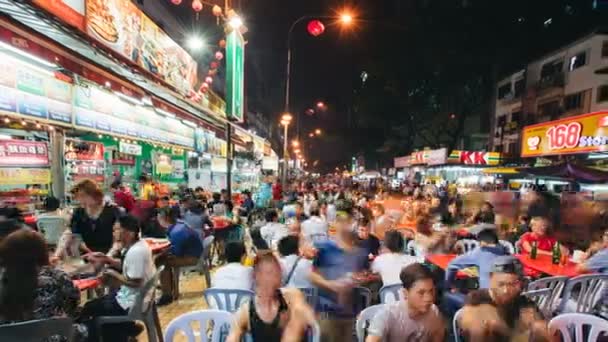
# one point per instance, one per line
(556, 254)
(534, 250)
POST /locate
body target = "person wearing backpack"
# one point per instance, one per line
(296, 269)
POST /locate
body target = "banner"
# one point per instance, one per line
(235, 75)
(83, 150)
(474, 158)
(577, 134)
(119, 158)
(127, 148)
(70, 12)
(122, 27)
(429, 157)
(19, 176)
(23, 153)
(401, 162)
(33, 92)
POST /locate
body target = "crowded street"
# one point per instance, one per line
(320, 171)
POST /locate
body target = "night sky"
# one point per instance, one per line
(407, 37)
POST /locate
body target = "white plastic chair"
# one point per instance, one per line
(582, 293)
(413, 249)
(466, 245)
(227, 299)
(51, 227)
(547, 302)
(364, 320)
(455, 328)
(391, 293)
(507, 245)
(222, 321)
(573, 323)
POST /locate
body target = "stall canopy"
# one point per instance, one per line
(570, 171)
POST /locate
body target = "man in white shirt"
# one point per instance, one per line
(296, 269)
(389, 265)
(137, 268)
(233, 275)
(315, 226)
(273, 231)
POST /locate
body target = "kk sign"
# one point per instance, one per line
(235, 73)
(474, 158)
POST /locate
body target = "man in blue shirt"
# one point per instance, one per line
(186, 250)
(481, 258)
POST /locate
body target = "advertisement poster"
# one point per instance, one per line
(70, 12)
(122, 27)
(19, 176)
(429, 157)
(235, 75)
(119, 158)
(83, 150)
(33, 93)
(577, 134)
(23, 153)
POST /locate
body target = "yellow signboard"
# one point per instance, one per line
(18, 176)
(577, 134)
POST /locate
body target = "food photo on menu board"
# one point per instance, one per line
(121, 26)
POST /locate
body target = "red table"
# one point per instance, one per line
(442, 261)
(543, 264)
(86, 284)
(156, 245)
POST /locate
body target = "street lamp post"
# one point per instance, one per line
(285, 120)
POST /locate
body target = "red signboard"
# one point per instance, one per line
(23, 153)
(83, 150)
(69, 11)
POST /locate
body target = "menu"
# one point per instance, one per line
(35, 93)
(207, 142)
(99, 109)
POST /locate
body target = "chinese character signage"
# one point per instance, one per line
(122, 27)
(23, 153)
(578, 134)
(429, 157)
(474, 157)
(235, 73)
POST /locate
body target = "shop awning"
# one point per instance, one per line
(570, 171)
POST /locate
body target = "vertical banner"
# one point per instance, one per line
(235, 75)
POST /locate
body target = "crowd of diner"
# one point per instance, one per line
(341, 261)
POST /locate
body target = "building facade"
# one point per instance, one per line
(570, 81)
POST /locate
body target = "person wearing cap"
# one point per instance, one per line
(137, 268)
(501, 312)
(482, 258)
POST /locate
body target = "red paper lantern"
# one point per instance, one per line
(315, 28)
(219, 55)
(197, 5)
(217, 10)
(213, 65)
(208, 79)
(222, 44)
(176, 2)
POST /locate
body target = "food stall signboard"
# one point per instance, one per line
(578, 134)
(20, 176)
(122, 27)
(429, 157)
(402, 161)
(235, 75)
(23, 153)
(69, 11)
(474, 157)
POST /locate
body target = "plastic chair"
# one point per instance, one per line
(455, 328)
(540, 297)
(362, 298)
(51, 227)
(507, 245)
(227, 299)
(222, 321)
(412, 249)
(390, 293)
(314, 333)
(38, 330)
(577, 324)
(364, 320)
(143, 310)
(203, 265)
(466, 245)
(311, 294)
(314, 238)
(547, 304)
(582, 293)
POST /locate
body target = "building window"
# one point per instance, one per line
(578, 60)
(511, 148)
(552, 68)
(602, 93)
(573, 101)
(516, 116)
(504, 90)
(605, 49)
(520, 86)
(551, 108)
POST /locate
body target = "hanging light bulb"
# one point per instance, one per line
(23, 123)
(7, 120)
(51, 128)
(176, 2)
(38, 125)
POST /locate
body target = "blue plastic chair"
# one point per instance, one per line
(547, 302)
(38, 330)
(576, 324)
(311, 294)
(227, 299)
(508, 246)
(466, 245)
(455, 328)
(390, 293)
(364, 320)
(222, 321)
(582, 293)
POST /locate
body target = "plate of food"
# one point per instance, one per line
(103, 21)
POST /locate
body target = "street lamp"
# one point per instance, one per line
(295, 143)
(285, 121)
(318, 131)
(345, 19)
